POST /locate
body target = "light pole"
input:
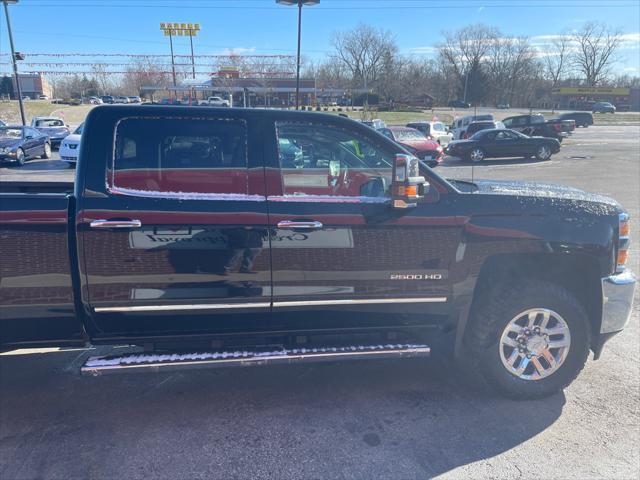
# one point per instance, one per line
(300, 4)
(13, 58)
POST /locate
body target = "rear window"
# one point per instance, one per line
(408, 135)
(180, 156)
(537, 119)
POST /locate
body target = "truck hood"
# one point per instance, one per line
(541, 190)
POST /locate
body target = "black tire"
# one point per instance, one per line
(20, 157)
(47, 151)
(491, 316)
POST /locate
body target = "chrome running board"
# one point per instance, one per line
(163, 362)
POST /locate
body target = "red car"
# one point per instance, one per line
(417, 143)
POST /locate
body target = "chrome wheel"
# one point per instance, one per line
(476, 155)
(47, 150)
(535, 344)
(20, 158)
(544, 153)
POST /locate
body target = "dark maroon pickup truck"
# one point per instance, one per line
(212, 237)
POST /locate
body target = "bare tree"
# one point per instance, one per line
(508, 63)
(464, 51)
(363, 52)
(556, 60)
(596, 46)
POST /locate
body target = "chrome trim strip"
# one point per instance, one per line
(301, 303)
(366, 301)
(290, 224)
(115, 224)
(169, 308)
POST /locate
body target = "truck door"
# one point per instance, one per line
(176, 242)
(341, 256)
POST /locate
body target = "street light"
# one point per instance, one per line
(14, 58)
(300, 4)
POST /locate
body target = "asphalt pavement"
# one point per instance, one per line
(385, 419)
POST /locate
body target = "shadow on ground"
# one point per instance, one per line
(383, 419)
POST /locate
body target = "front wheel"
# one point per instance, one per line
(20, 157)
(476, 155)
(530, 339)
(543, 153)
(47, 151)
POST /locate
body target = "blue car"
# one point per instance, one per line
(19, 144)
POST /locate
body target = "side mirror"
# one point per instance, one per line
(407, 185)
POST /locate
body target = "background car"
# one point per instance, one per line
(603, 107)
(134, 99)
(107, 99)
(416, 142)
(459, 104)
(43, 97)
(475, 127)
(70, 146)
(95, 101)
(19, 144)
(436, 131)
(121, 99)
(501, 143)
(459, 125)
(376, 123)
(582, 119)
(53, 127)
(504, 106)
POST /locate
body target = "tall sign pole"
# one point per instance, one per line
(171, 29)
(14, 58)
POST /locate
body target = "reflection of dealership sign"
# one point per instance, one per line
(223, 238)
(590, 91)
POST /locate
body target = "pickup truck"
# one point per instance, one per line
(536, 126)
(214, 102)
(217, 236)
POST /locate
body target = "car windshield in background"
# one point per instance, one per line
(78, 131)
(10, 133)
(439, 126)
(49, 123)
(408, 135)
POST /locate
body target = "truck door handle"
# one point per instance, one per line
(293, 225)
(115, 224)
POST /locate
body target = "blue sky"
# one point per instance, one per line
(262, 27)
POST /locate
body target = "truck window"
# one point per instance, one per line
(180, 156)
(326, 160)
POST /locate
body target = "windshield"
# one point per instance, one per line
(49, 122)
(408, 135)
(10, 133)
(78, 131)
(439, 126)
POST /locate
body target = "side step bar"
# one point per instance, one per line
(163, 362)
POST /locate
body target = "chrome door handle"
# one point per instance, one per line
(115, 224)
(291, 225)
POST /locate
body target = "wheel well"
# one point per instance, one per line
(579, 274)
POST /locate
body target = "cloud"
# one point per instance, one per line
(480, 9)
(238, 51)
(424, 50)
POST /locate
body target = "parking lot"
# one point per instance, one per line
(384, 419)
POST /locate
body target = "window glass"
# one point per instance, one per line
(439, 126)
(409, 134)
(537, 119)
(181, 156)
(326, 160)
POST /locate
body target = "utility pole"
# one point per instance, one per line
(173, 63)
(14, 58)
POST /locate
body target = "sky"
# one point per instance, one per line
(263, 27)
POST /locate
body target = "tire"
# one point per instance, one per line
(543, 153)
(476, 155)
(487, 327)
(47, 151)
(20, 157)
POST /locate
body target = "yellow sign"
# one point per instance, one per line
(623, 92)
(180, 29)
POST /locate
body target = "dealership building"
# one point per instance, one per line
(583, 98)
